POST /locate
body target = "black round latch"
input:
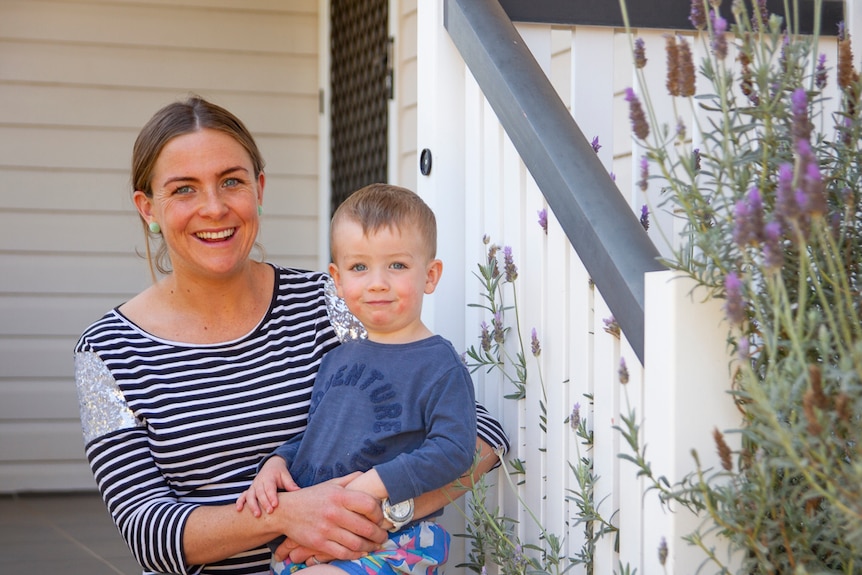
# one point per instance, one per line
(425, 162)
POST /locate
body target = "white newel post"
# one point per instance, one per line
(687, 378)
(853, 20)
(440, 129)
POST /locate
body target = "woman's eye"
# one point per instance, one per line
(231, 182)
(184, 190)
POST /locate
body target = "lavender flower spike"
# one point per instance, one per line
(672, 52)
(611, 326)
(543, 219)
(645, 217)
(820, 74)
(799, 102)
(748, 220)
(510, 267)
(640, 53)
(786, 208)
(799, 108)
(643, 184)
(499, 330)
(719, 40)
(518, 555)
(761, 16)
(740, 229)
(596, 145)
(687, 76)
(697, 16)
(485, 338)
(636, 115)
(575, 417)
(535, 347)
(623, 371)
(735, 306)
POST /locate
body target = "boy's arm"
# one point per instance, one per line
(370, 483)
(449, 446)
(429, 502)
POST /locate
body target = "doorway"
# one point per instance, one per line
(361, 86)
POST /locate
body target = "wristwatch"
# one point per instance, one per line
(399, 514)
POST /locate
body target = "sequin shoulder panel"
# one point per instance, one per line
(103, 407)
(346, 326)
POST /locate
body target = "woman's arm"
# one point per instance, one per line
(168, 535)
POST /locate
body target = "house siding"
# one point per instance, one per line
(405, 159)
(77, 81)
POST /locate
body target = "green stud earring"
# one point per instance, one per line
(155, 227)
(259, 210)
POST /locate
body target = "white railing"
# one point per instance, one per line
(678, 396)
(677, 399)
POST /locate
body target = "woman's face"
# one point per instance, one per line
(205, 199)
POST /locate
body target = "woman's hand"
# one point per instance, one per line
(299, 554)
(328, 518)
(331, 522)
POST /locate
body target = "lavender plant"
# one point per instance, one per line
(769, 192)
(493, 537)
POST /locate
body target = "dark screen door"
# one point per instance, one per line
(361, 85)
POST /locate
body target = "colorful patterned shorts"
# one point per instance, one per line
(417, 550)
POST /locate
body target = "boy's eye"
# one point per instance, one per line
(398, 266)
(358, 267)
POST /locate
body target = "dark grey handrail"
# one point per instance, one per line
(602, 228)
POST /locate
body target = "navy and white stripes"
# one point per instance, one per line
(205, 416)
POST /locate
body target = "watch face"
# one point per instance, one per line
(401, 511)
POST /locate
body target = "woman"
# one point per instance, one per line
(188, 385)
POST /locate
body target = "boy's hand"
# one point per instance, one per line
(262, 494)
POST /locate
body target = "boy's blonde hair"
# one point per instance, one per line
(383, 205)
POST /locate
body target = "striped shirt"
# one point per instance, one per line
(169, 426)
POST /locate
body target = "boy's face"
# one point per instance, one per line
(382, 277)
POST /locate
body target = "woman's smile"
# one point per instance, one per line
(216, 236)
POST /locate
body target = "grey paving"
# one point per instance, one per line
(61, 533)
